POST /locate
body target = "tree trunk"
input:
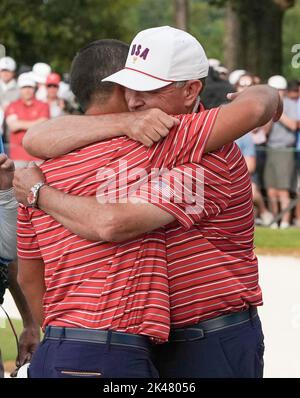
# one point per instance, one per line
(181, 14)
(232, 38)
(254, 35)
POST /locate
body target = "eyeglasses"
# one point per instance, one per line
(52, 85)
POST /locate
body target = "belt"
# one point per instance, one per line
(97, 336)
(198, 331)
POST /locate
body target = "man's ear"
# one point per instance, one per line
(192, 89)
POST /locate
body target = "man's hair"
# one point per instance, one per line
(93, 63)
(183, 82)
(203, 81)
(293, 85)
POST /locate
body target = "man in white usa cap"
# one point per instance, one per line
(157, 57)
(212, 269)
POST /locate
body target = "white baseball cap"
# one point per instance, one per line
(221, 69)
(235, 75)
(160, 56)
(8, 63)
(214, 62)
(278, 81)
(26, 80)
(40, 71)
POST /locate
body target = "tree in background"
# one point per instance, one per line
(253, 39)
(181, 14)
(258, 34)
(53, 30)
(204, 21)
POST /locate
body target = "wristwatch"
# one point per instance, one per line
(33, 195)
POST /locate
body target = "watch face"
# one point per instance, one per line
(31, 198)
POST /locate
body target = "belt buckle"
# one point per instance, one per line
(188, 334)
(199, 334)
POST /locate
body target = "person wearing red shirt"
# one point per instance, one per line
(56, 104)
(262, 104)
(22, 114)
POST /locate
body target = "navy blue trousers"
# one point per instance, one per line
(235, 352)
(70, 359)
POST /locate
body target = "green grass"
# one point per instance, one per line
(284, 241)
(7, 340)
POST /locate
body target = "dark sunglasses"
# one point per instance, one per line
(52, 85)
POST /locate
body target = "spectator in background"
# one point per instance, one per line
(216, 65)
(214, 62)
(40, 72)
(9, 90)
(66, 94)
(64, 90)
(280, 163)
(259, 136)
(22, 114)
(223, 72)
(244, 81)
(56, 104)
(257, 80)
(248, 149)
(235, 75)
(216, 90)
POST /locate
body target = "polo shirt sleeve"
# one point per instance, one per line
(27, 243)
(186, 142)
(189, 192)
(195, 130)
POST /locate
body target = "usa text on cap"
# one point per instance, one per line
(160, 56)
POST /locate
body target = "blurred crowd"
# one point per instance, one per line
(28, 97)
(272, 152)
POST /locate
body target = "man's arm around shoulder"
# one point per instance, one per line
(248, 110)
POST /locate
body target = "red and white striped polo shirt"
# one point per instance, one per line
(102, 285)
(212, 269)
